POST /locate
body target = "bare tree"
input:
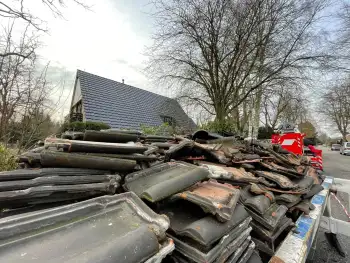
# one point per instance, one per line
(345, 25)
(283, 104)
(25, 108)
(335, 105)
(19, 9)
(339, 42)
(13, 68)
(324, 138)
(32, 120)
(35, 108)
(24, 89)
(220, 52)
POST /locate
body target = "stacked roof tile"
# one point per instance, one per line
(139, 198)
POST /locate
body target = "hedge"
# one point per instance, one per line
(82, 126)
(7, 159)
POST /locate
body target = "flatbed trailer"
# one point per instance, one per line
(296, 246)
(300, 241)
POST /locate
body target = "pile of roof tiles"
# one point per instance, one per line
(122, 196)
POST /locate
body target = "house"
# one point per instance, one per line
(123, 106)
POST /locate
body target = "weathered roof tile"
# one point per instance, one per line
(219, 199)
(163, 180)
(199, 256)
(188, 220)
(115, 227)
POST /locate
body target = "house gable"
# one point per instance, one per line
(123, 106)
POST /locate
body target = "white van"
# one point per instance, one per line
(345, 148)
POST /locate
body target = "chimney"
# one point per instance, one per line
(123, 81)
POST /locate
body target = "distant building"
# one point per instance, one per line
(123, 106)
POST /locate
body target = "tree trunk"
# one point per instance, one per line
(256, 114)
(220, 117)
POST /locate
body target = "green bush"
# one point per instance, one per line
(82, 126)
(7, 159)
(220, 127)
(164, 129)
(265, 133)
(96, 126)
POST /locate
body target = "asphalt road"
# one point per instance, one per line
(335, 165)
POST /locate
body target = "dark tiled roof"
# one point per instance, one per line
(124, 106)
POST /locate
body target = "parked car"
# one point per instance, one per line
(345, 148)
(335, 147)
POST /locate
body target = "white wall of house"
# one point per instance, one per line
(77, 102)
(77, 93)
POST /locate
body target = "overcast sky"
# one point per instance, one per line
(108, 40)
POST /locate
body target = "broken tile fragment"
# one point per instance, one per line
(281, 180)
(233, 174)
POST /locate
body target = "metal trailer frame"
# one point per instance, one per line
(296, 246)
(330, 223)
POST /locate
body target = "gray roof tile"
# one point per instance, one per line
(124, 106)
